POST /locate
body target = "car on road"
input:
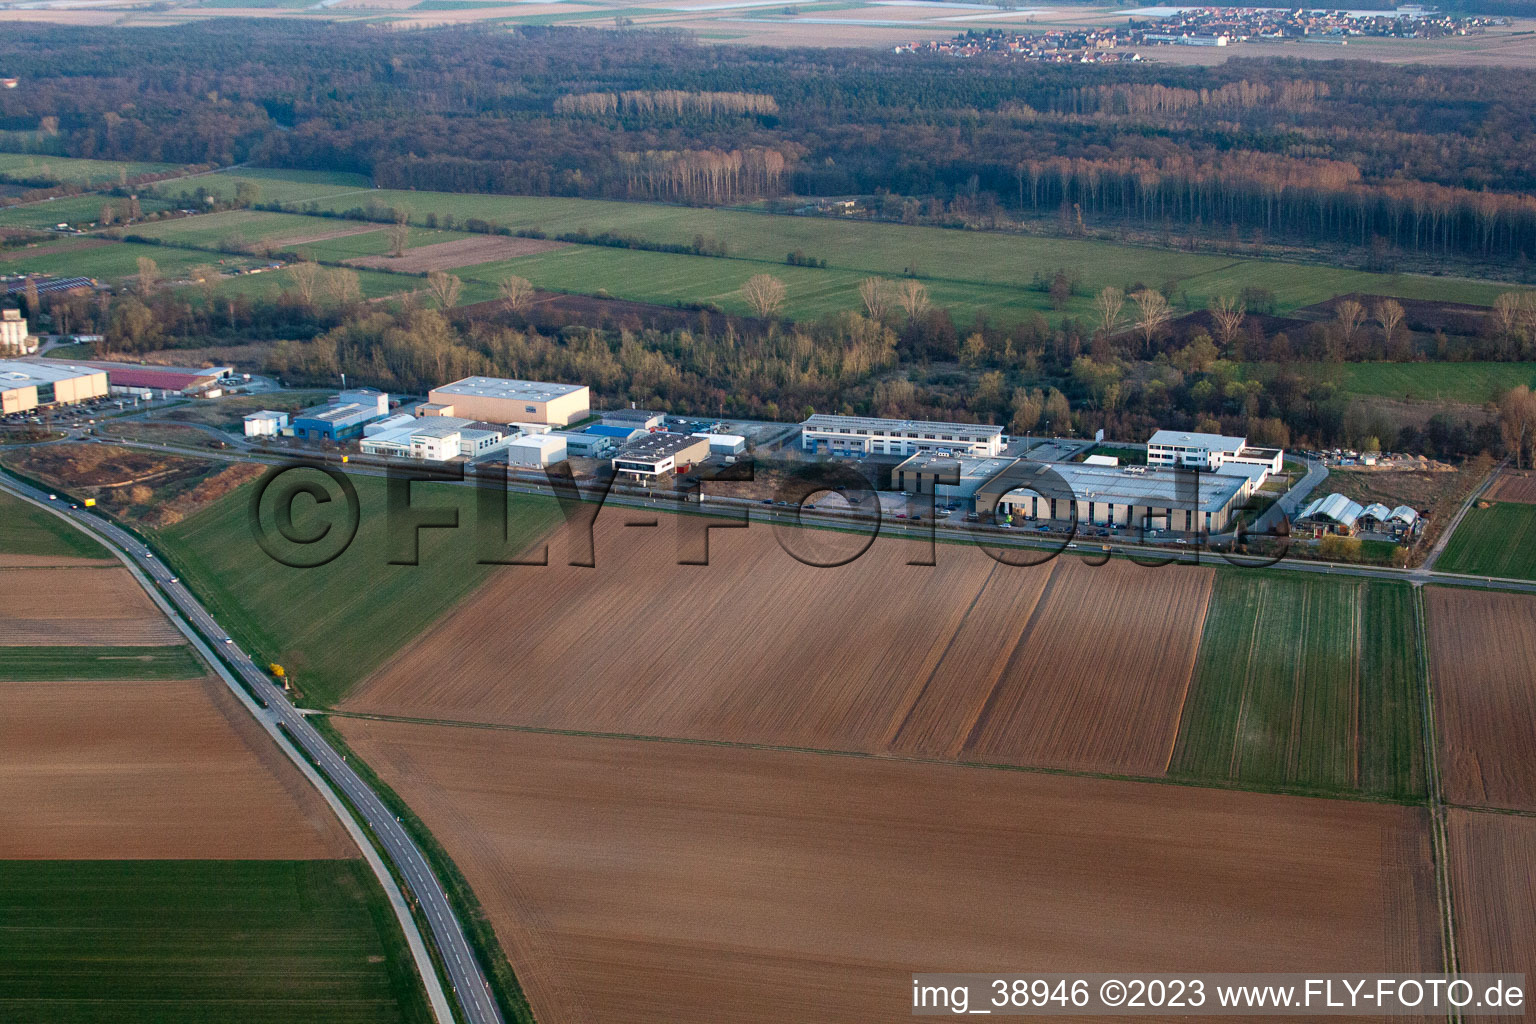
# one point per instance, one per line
(228, 640)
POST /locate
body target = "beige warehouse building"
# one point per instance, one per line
(499, 400)
(25, 386)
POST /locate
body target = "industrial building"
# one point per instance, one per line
(863, 435)
(924, 474)
(265, 423)
(619, 435)
(648, 458)
(433, 439)
(185, 379)
(343, 417)
(25, 386)
(1401, 522)
(635, 419)
(1119, 496)
(586, 445)
(499, 400)
(725, 444)
(1209, 452)
(15, 339)
(535, 451)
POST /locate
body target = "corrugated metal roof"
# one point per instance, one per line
(1335, 507)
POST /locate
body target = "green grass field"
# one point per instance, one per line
(194, 942)
(965, 270)
(1496, 541)
(1467, 383)
(1306, 685)
(331, 626)
(67, 170)
(27, 529)
(68, 210)
(50, 664)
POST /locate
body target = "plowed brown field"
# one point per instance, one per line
(874, 656)
(1514, 486)
(663, 882)
(463, 252)
(1482, 661)
(125, 771)
(1493, 859)
(1099, 679)
(79, 607)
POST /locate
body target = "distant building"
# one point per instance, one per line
(1335, 514)
(585, 445)
(725, 444)
(265, 423)
(861, 435)
(616, 434)
(927, 474)
(501, 400)
(1210, 452)
(430, 439)
(25, 385)
(343, 417)
(15, 340)
(646, 459)
(185, 379)
(535, 451)
(636, 419)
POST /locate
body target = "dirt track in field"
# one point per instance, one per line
(1514, 486)
(15, 560)
(462, 252)
(1493, 859)
(964, 659)
(79, 607)
(685, 884)
(309, 236)
(1482, 662)
(133, 770)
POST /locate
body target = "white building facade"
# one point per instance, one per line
(863, 435)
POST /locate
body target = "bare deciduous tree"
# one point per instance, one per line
(149, 275)
(1517, 422)
(343, 286)
(1152, 313)
(516, 293)
(400, 232)
(764, 293)
(1348, 315)
(913, 296)
(1109, 304)
(1228, 314)
(875, 293)
(306, 280)
(1389, 314)
(445, 288)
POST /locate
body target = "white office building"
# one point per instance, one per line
(1173, 448)
(864, 435)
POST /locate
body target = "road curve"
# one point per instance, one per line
(471, 988)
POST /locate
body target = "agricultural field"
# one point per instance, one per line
(1493, 859)
(36, 664)
(1461, 383)
(331, 626)
(795, 886)
(1111, 703)
(27, 534)
(148, 770)
(60, 170)
(66, 210)
(1307, 685)
(79, 606)
(1482, 651)
(187, 941)
(965, 660)
(1514, 486)
(968, 271)
(1499, 540)
(273, 185)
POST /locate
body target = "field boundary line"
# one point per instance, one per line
(1299, 688)
(1189, 676)
(1439, 839)
(1235, 759)
(1024, 635)
(1225, 785)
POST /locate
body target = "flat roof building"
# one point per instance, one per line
(586, 445)
(655, 455)
(502, 400)
(535, 451)
(922, 474)
(1119, 496)
(863, 435)
(265, 423)
(725, 444)
(186, 379)
(1208, 451)
(25, 385)
(639, 419)
(433, 439)
(343, 417)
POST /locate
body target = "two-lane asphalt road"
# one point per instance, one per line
(464, 971)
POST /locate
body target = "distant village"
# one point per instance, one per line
(1205, 26)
